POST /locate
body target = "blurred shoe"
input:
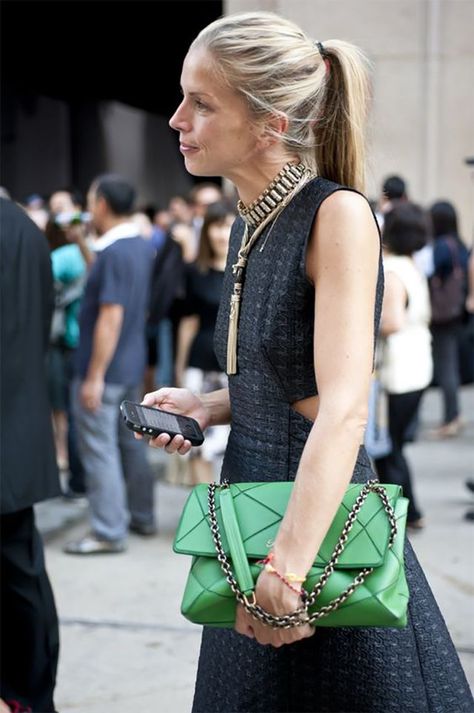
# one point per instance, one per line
(70, 494)
(448, 430)
(469, 485)
(141, 529)
(417, 524)
(469, 516)
(92, 545)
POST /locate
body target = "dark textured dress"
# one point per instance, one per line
(375, 670)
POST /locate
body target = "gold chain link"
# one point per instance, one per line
(301, 615)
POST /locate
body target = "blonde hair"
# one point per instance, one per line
(281, 72)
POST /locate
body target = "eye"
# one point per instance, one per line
(200, 105)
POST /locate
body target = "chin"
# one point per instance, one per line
(195, 169)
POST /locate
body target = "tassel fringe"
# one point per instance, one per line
(232, 335)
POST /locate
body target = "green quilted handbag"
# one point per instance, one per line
(358, 576)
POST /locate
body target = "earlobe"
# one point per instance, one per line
(278, 124)
(274, 129)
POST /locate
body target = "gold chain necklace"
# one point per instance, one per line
(268, 207)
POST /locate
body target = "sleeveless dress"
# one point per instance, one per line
(373, 670)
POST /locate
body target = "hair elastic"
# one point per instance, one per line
(324, 54)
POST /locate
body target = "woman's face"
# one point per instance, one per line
(219, 234)
(216, 135)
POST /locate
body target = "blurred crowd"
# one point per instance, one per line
(136, 295)
(425, 338)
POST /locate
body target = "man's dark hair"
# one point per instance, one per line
(405, 229)
(117, 192)
(394, 187)
(444, 219)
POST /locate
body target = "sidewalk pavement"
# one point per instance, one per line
(125, 646)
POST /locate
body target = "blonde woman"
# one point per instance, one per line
(282, 118)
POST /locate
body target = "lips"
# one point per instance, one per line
(187, 148)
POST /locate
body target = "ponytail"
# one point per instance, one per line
(322, 88)
(340, 131)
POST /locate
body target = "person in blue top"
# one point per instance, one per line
(69, 273)
(109, 365)
(449, 281)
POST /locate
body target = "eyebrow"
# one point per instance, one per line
(194, 94)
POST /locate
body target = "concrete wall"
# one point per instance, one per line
(36, 147)
(47, 145)
(141, 146)
(422, 121)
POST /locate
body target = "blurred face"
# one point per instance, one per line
(61, 202)
(97, 209)
(219, 234)
(204, 198)
(216, 135)
(179, 210)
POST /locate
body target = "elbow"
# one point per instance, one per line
(390, 326)
(349, 419)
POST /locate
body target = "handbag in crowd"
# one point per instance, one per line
(357, 579)
(377, 440)
(448, 293)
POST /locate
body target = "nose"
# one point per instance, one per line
(178, 120)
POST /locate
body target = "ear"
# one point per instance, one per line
(274, 128)
(101, 205)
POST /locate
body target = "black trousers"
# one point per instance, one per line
(393, 468)
(446, 340)
(29, 624)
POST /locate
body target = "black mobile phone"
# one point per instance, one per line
(153, 421)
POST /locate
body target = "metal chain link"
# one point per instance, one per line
(301, 615)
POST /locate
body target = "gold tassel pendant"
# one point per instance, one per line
(233, 329)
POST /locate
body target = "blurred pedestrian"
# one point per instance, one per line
(110, 366)
(29, 624)
(406, 367)
(448, 290)
(196, 366)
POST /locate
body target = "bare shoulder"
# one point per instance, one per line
(345, 231)
(343, 208)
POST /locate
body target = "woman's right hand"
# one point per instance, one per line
(181, 401)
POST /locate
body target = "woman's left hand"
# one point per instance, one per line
(277, 598)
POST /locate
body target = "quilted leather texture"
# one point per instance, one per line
(381, 601)
(260, 508)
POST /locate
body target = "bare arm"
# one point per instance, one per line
(217, 405)
(106, 335)
(394, 305)
(342, 262)
(188, 329)
(76, 234)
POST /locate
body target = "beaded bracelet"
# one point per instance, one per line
(288, 578)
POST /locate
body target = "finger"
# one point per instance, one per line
(160, 441)
(185, 448)
(154, 398)
(175, 444)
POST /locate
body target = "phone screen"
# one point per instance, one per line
(159, 419)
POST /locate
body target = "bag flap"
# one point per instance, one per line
(260, 508)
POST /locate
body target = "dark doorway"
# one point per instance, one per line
(82, 53)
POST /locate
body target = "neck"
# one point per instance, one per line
(219, 263)
(254, 182)
(274, 196)
(111, 222)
